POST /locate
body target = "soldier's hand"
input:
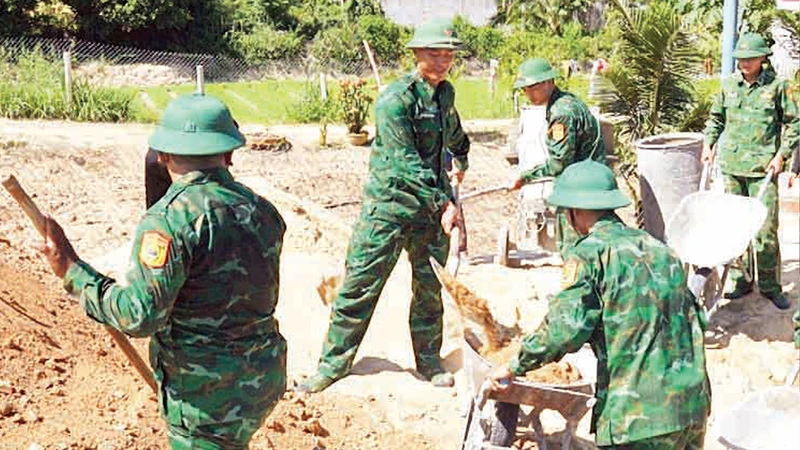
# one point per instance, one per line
(776, 165)
(516, 184)
(456, 175)
(449, 217)
(501, 377)
(708, 154)
(793, 179)
(56, 248)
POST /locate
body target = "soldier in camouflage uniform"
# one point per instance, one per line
(624, 293)
(753, 127)
(407, 205)
(202, 283)
(573, 133)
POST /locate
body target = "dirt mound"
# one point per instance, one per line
(64, 385)
(314, 422)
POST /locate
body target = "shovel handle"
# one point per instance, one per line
(26, 203)
(32, 211)
(765, 184)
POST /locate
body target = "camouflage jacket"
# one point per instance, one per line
(625, 294)
(415, 123)
(573, 134)
(203, 282)
(750, 124)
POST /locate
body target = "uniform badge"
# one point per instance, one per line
(558, 131)
(154, 250)
(569, 274)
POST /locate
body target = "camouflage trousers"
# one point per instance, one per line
(766, 245)
(220, 405)
(689, 438)
(374, 249)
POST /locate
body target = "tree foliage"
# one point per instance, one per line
(649, 85)
(549, 15)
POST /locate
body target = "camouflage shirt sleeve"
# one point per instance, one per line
(716, 119)
(397, 139)
(458, 142)
(156, 273)
(789, 102)
(562, 144)
(572, 318)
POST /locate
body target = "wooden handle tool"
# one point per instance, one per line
(32, 211)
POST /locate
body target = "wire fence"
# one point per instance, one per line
(116, 65)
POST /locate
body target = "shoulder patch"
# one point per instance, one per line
(154, 249)
(569, 273)
(557, 131)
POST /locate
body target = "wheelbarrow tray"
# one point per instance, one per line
(765, 420)
(711, 229)
(526, 392)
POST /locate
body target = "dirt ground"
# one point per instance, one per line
(64, 385)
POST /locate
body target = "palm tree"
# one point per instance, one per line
(650, 87)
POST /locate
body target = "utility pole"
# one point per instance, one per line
(729, 27)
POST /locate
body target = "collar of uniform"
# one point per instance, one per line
(220, 174)
(606, 220)
(764, 77)
(423, 88)
(554, 96)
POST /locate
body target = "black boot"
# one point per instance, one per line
(778, 299)
(739, 291)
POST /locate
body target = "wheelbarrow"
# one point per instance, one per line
(492, 418)
(710, 231)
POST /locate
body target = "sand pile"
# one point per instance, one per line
(502, 342)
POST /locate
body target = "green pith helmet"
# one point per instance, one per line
(196, 125)
(435, 33)
(751, 45)
(587, 185)
(534, 71)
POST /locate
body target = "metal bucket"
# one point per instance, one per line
(669, 170)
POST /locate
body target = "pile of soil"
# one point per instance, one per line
(476, 309)
(561, 372)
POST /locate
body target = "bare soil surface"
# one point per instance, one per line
(64, 385)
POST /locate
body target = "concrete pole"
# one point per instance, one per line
(729, 27)
(68, 79)
(201, 80)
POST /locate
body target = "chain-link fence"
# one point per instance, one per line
(115, 65)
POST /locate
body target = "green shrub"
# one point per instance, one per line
(308, 107)
(32, 88)
(386, 38)
(479, 42)
(266, 44)
(521, 45)
(339, 49)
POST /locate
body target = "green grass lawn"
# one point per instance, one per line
(271, 102)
